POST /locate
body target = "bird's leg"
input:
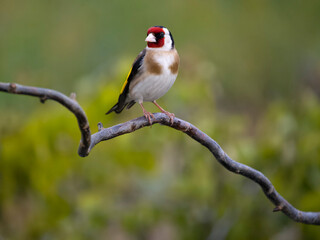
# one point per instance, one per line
(170, 115)
(148, 115)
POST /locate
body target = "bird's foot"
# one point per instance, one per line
(148, 116)
(170, 115)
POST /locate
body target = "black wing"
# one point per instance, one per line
(120, 105)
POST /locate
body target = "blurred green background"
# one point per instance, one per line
(249, 78)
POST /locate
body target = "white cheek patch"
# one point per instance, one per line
(167, 38)
(168, 41)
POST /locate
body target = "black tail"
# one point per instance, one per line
(117, 108)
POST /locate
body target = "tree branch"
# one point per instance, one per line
(69, 102)
(88, 142)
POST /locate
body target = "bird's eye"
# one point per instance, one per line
(159, 35)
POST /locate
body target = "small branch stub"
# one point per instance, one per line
(73, 96)
(12, 88)
(43, 99)
(277, 209)
(100, 126)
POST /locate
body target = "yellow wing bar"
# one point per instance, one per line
(125, 83)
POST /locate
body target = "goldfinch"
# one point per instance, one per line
(152, 73)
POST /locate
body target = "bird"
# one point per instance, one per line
(152, 73)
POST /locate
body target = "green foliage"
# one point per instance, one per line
(249, 78)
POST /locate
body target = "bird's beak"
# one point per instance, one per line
(151, 38)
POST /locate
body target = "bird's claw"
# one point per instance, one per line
(170, 115)
(148, 116)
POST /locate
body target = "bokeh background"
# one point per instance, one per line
(249, 78)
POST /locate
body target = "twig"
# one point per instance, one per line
(108, 133)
